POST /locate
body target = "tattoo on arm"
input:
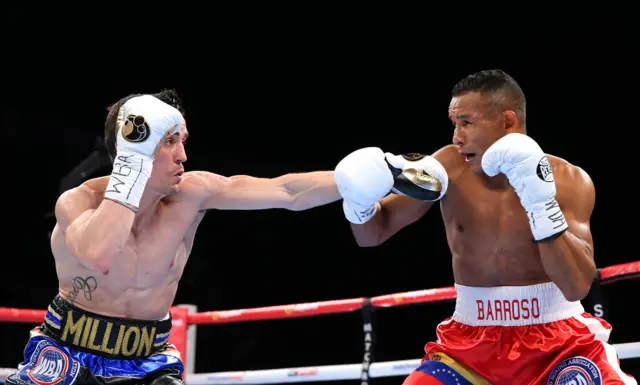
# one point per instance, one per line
(85, 285)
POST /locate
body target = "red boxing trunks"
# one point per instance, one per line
(529, 335)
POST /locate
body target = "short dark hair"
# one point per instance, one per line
(169, 96)
(501, 86)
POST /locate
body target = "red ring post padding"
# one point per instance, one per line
(179, 326)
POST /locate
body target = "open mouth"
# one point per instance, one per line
(179, 173)
(468, 156)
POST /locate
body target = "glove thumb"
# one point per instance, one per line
(490, 164)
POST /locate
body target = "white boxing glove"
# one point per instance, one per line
(529, 172)
(143, 123)
(418, 176)
(363, 177)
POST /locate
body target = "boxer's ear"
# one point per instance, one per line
(510, 121)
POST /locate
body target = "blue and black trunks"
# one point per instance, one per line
(76, 347)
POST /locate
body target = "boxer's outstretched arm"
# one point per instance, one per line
(568, 258)
(294, 192)
(94, 235)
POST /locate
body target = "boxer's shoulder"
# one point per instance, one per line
(574, 186)
(560, 164)
(199, 184)
(195, 181)
(450, 158)
(89, 192)
(86, 196)
(566, 173)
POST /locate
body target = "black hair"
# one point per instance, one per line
(503, 89)
(169, 96)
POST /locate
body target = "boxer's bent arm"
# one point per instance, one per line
(568, 257)
(294, 192)
(94, 236)
(396, 212)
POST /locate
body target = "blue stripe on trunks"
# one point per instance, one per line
(161, 340)
(53, 319)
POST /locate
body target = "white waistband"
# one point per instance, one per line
(513, 305)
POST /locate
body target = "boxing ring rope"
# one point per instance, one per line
(185, 318)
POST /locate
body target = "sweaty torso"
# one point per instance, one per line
(143, 279)
(488, 230)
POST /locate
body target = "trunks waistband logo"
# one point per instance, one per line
(508, 310)
(117, 339)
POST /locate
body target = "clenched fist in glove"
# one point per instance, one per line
(363, 177)
(143, 123)
(529, 172)
(419, 176)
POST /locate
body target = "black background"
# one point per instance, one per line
(268, 93)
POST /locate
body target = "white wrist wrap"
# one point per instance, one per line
(546, 219)
(359, 214)
(129, 176)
